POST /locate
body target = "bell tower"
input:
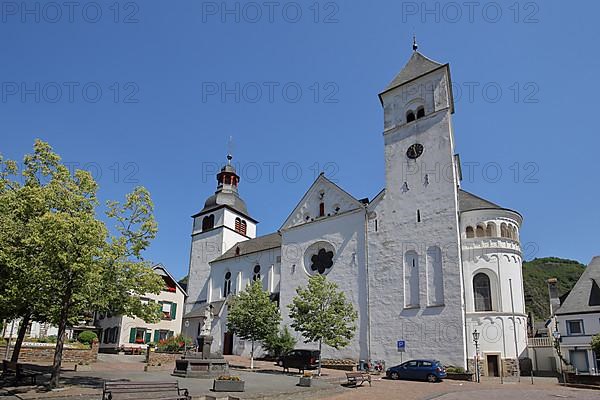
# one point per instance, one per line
(223, 221)
(416, 245)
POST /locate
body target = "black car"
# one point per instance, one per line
(301, 359)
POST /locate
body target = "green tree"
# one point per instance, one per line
(279, 343)
(253, 316)
(596, 344)
(321, 314)
(66, 264)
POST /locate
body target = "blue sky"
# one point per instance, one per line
(149, 92)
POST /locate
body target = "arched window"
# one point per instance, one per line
(490, 230)
(321, 209)
(227, 284)
(514, 233)
(256, 273)
(410, 116)
(208, 222)
(470, 232)
(479, 231)
(411, 279)
(503, 230)
(240, 226)
(435, 277)
(420, 112)
(482, 292)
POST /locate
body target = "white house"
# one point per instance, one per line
(578, 320)
(423, 261)
(124, 332)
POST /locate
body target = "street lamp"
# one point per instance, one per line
(476, 341)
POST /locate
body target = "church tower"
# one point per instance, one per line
(223, 222)
(416, 291)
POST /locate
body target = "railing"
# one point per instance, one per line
(539, 342)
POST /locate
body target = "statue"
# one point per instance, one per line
(207, 324)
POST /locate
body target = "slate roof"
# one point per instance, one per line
(265, 242)
(585, 295)
(468, 201)
(225, 198)
(416, 66)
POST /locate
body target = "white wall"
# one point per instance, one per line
(591, 327)
(435, 331)
(345, 232)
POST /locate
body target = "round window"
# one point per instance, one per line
(319, 258)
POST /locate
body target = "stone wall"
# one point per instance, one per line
(509, 367)
(45, 354)
(159, 359)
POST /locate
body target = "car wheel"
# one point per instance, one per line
(431, 378)
(395, 375)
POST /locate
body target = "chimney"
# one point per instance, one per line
(553, 292)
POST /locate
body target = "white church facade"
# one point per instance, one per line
(423, 261)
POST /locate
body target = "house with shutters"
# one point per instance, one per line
(124, 332)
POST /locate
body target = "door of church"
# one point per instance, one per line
(492, 362)
(228, 344)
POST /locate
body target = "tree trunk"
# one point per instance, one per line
(60, 340)
(20, 337)
(252, 356)
(320, 345)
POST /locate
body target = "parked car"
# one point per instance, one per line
(430, 370)
(301, 359)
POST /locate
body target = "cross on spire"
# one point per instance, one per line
(415, 46)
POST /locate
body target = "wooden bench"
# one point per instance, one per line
(144, 390)
(355, 377)
(24, 371)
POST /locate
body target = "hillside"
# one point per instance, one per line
(535, 274)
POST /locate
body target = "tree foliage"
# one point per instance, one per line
(279, 343)
(596, 343)
(535, 276)
(321, 314)
(252, 315)
(57, 259)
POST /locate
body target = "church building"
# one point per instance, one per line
(424, 262)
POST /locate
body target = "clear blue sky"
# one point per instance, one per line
(170, 122)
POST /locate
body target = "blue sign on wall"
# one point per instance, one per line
(401, 345)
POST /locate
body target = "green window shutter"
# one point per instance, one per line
(156, 335)
(132, 333)
(148, 337)
(173, 310)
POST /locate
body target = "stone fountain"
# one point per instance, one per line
(202, 363)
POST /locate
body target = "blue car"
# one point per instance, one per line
(429, 370)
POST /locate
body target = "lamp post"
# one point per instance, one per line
(556, 336)
(476, 341)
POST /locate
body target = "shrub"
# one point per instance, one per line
(596, 343)
(279, 343)
(87, 337)
(174, 344)
(456, 370)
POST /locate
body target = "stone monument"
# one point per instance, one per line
(202, 363)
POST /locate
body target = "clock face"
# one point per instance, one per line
(414, 151)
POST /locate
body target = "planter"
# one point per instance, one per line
(305, 381)
(228, 386)
(460, 376)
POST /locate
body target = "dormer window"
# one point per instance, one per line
(420, 112)
(410, 116)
